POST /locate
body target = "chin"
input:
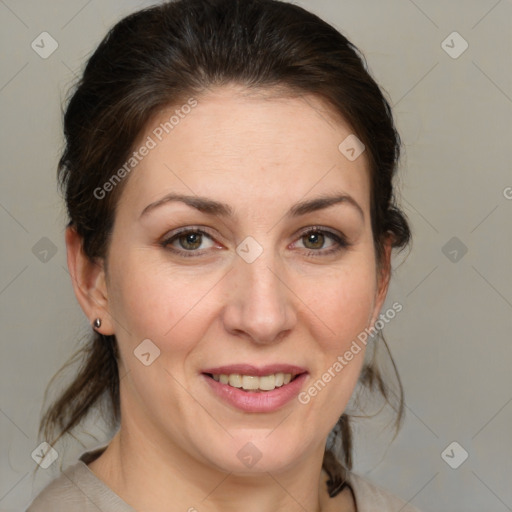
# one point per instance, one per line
(258, 451)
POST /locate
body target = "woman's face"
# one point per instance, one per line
(235, 285)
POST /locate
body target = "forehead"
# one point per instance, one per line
(246, 147)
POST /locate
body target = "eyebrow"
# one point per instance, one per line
(211, 207)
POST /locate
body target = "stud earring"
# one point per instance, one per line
(97, 323)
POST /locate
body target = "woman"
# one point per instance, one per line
(228, 177)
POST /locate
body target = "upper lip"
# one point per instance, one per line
(258, 371)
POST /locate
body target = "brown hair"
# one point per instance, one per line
(162, 55)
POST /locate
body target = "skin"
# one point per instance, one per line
(178, 442)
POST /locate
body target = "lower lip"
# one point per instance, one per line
(264, 401)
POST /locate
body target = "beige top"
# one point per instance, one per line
(78, 489)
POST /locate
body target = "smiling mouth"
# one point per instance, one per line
(253, 383)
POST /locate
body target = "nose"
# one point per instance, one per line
(259, 303)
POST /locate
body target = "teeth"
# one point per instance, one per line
(249, 382)
(235, 380)
(253, 383)
(267, 383)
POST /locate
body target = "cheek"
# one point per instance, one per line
(344, 304)
(150, 300)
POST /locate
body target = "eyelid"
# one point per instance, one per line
(167, 239)
(339, 238)
(187, 229)
(322, 229)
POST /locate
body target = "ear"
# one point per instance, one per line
(383, 277)
(88, 278)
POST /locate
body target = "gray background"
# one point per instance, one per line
(452, 340)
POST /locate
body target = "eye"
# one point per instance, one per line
(191, 241)
(188, 240)
(315, 238)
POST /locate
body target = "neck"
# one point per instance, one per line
(148, 476)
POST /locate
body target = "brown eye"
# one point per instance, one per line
(190, 241)
(316, 238)
(313, 240)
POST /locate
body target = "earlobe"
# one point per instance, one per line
(89, 284)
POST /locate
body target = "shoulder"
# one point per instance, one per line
(372, 498)
(61, 493)
(78, 489)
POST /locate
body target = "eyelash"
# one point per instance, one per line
(340, 240)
